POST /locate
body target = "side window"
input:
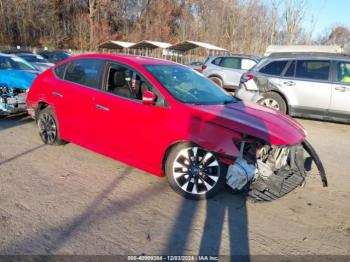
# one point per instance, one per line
(274, 68)
(247, 64)
(217, 61)
(59, 71)
(343, 72)
(313, 69)
(127, 83)
(85, 72)
(291, 70)
(231, 62)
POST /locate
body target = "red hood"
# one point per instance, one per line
(270, 125)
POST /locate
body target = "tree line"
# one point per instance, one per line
(241, 26)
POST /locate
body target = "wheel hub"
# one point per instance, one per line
(195, 170)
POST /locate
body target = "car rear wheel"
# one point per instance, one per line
(217, 81)
(194, 172)
(275, 101)
(48, 127)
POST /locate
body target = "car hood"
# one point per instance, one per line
(251, 119)
(17, 78)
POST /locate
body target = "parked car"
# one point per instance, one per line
(16, 77)
(226, 71)
(36, 60)
(306, 85)
(54, 56)
(165, 118)
(195, 65)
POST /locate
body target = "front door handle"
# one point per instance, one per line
(102, 107)
(341, 88)
(57, 94)
(289, 83)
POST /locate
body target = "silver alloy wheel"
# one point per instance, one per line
(47, 128)
(270, 102)
(195, 170)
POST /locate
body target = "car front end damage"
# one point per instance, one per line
(14, 87)
(266, 151)
(12, 100)
(267, 172)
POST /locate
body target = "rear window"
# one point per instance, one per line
(231, 62)
(313, 69)
(274, 68)
(85, 72)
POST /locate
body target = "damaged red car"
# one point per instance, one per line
(170, 120)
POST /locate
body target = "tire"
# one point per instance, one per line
(217, 81)
(48, 127)
(275, 101)
(195, 183)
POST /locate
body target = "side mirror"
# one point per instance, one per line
(149, 98)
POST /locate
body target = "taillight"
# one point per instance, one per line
(246, 77)
(203, 67)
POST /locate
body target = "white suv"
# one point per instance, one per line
(226, 71)
(305, 85)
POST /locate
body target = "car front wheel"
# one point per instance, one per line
(194, 172)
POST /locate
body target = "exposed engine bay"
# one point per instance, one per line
(12, 100)
(268, 172)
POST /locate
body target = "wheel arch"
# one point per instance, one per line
(168, 150)
(41, 105)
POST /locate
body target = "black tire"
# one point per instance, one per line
(274, 100)
(48, 127)
(217, 80)
(203, 179)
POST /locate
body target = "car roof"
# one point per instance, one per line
(26, 54)
(7, 55)
(309, 55)
(140, 60)
(236, 55)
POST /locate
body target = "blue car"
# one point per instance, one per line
(16, 77)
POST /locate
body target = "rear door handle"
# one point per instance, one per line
(102, 107)
(57, 94)
(341, 88)
(289, 83)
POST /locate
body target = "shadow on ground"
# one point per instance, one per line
(14, 120)
(224, 205)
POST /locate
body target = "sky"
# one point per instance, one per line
(325, 14)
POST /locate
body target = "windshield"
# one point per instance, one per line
(189, 86)
(34, 58)
(16, 63)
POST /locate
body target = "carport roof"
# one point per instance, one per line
(115, 44)
(188, 45)
(150, 45)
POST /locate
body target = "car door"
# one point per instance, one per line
(72, 94)
(340, 101)
(127, 128)
(232, 72)
(311, 87)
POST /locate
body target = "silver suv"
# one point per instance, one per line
(226, 71)
(306, 85)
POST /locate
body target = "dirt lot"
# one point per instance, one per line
(69, 200)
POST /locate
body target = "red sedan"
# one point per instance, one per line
(170, 120)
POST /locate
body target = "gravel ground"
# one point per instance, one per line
(68, 200)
